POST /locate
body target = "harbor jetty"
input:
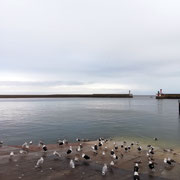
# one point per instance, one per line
(161, 95)
(70, 96)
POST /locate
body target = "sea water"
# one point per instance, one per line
(49, 119)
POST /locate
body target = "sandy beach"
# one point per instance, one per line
(22, 165)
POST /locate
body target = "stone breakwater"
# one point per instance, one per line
(70, 96)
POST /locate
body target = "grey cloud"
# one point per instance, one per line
(40, 83)
(78, 42)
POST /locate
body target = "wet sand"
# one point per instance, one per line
(22, 166)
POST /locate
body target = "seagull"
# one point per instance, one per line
(85, 156)
(169, 161)
(11, 155)
(1, 143)
(103, 153)
(44, 147)
(40, 143)
(22, 152)
(30, 142)
(25, 146)
(112, 152)
(112, 163)
(65, 141)
(95, 148)
(60, 142)
(104, 169)
(115, 157)
(151, 151)
(69, 151)
(136, 176)
(78, 149)
(151, 166)
(139, 148)
(116, 147)
(40, 162)
(100, 144)
(78, 140)
(72, 164)
(136, 167)
(76, 159)
(126, 148)
(56, 154)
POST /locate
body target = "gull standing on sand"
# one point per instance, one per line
(85, 156)
(11, 155)
(169, 161)
(112, 163)
(78, 149)
(136, 167)
(44, 147)
(69, 151)
(40, 143)
(40, 162)
(1, 143)
(136, 176)
(151, 166)
(112, 152)
(25, 146)
(104, 169)
(115, 157)
(56, 154)
(139, 148)
(60, 142)
(72, 164)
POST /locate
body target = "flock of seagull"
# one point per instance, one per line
(97, 149)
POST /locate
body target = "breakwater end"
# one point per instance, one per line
(168, 96)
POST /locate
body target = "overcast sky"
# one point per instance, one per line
(89, 46)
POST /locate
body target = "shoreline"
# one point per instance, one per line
(22, 166)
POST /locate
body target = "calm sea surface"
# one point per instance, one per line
(49, 119)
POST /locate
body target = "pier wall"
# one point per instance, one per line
(70, 96)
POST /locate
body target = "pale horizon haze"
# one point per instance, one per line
(89, 46)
